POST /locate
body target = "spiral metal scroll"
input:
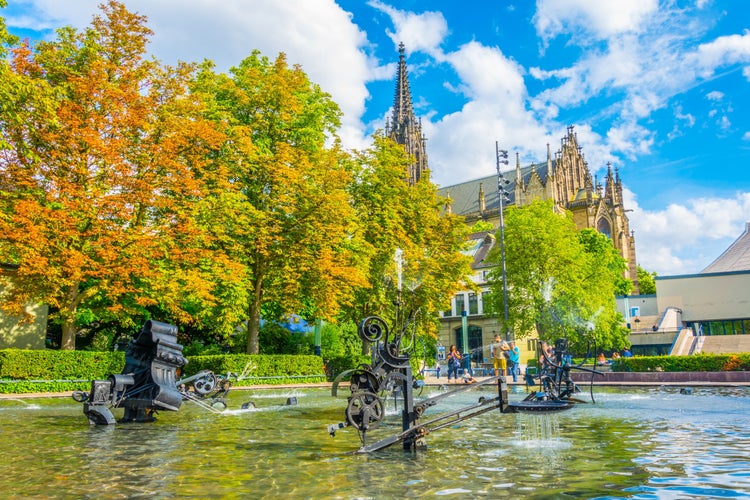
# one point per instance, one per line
(372, 328)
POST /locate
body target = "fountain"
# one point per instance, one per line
(148, 381)
(650, 442)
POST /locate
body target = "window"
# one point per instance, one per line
(475, 342)
(460, 304)
(603, 227)
(473, 303)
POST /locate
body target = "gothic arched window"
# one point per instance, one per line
(603, 227)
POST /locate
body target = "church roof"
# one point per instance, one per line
(734, 258)
(480, 245)
(465, 195)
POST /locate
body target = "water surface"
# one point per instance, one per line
(633, 443)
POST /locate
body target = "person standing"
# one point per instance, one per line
(454, 363)
(498, 351)
(514, 359)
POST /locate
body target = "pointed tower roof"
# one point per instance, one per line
(403, 127)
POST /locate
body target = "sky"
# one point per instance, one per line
(658, 88)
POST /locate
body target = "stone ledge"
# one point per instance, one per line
(739, 378)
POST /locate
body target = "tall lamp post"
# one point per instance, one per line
(502, 182)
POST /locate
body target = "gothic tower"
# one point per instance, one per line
(403, 127)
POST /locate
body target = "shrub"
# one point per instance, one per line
(260, 368)
(694, 363)
(23, 371)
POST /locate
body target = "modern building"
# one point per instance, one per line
(704, 312)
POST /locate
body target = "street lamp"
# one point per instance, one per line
(502, 182)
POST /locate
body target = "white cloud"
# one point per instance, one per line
(685, 237)
(715, 95)
(724, 50)
(419, 32)
(461, 144)
(554, 17)
(317, 34)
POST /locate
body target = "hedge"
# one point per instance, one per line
(23, 364)
(694, 363)
(261, 368)
(25, 371)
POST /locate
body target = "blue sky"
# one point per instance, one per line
(661, 89)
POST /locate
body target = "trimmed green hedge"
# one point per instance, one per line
(338, 365)
(694, 363)
(262, 368)
(25, 371)
(24, 364)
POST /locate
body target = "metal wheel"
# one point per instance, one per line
(364, 381)
(205, 384)
(364, 410)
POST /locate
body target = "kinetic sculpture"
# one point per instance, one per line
(391, 372)
(556, 388)
(148, 381)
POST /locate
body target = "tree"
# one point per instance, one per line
(646, 281)
(396, 215)
(95, 192)
(609, 265)
(280, 211)
(556, 288)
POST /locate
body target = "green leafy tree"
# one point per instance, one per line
(395, 215)
(560, 283)
(6, 39)
(646, 281)
(482, 225)
(608, 264)
(279, 210)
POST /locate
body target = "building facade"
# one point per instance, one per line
(564, 178)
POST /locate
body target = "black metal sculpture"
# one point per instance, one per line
(148, 381)
(390, 373)
(556, 389)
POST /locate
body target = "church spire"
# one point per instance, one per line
(403, 127)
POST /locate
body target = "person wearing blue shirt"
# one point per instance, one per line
(514, 357)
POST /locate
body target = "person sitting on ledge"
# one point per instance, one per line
(601, 360)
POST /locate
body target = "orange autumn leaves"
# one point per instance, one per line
(131, 189)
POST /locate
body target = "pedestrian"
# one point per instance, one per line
(499, 350)
(514, 359)
(454, 363)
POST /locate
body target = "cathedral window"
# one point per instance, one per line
(603, 227)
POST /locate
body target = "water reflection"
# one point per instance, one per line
(637, 443)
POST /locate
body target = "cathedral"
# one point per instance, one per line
(403, 127)
(564, 178)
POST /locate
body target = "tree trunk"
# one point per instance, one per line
(253, 323)
(68, 316)
(68, 340)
